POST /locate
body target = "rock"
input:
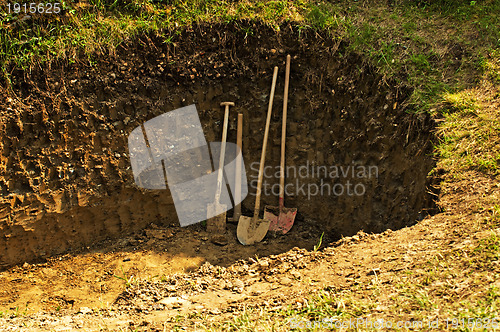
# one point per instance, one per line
(219, 240)
(174, 301)
(285, 281)
(263, 264)
(237, 283)
(171, 288)
(85, 310)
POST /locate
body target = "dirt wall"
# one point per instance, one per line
(65, 177)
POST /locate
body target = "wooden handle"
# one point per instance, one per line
(264, 145)
(283, 132)
(237, 195)
(222, 155)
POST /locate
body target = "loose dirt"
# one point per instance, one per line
(95, 276)
(372, 264)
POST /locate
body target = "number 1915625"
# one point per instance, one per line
(33, 8)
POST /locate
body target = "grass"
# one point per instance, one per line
(470, 132)
(126, 279)
(439, 291)
(433, 46)
(15, 312)
(320, 241)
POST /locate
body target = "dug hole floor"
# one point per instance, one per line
(432, 269)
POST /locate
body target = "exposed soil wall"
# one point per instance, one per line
(65, 179)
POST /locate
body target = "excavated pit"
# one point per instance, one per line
(65, 180)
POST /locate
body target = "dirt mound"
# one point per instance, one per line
(65, 175)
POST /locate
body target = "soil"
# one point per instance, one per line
(94, 277)
(216, 293)
(74, 227)
(66, 177)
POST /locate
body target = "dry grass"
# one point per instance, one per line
(470, 132)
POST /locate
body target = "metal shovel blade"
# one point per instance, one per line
(281, 218)
(251, 230)
(216, 224)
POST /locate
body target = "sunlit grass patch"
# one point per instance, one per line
(470, 132)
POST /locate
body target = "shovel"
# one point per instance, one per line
(253, 229)
(237, 180)
(282, 218)
(217, 224)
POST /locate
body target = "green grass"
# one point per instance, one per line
(128, 281)
(320, 241)
(487, 252)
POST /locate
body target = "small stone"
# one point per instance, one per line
(238, 283)
(85, 310)
(285, 281)
(171, 288)
(173, 301)
(263, 264)
(219, 240)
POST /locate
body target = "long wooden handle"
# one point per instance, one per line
(222, 155)
(237, 195)
(283, 133)
(264, 145)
